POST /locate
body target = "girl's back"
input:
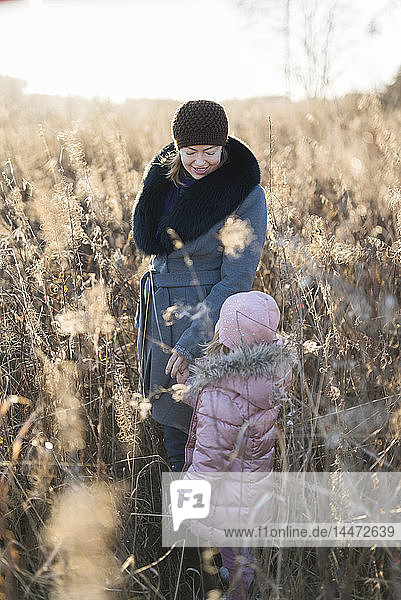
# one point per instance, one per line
(239, 395)
(236, 392)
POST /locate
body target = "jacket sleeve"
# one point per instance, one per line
(237, 275)
(218, 430)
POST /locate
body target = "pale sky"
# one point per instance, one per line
(181, 49)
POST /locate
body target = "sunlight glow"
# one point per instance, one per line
(176, 48)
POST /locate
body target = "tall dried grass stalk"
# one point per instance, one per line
(60, 380)
(81, 530)
(92, 316)
(61, 218)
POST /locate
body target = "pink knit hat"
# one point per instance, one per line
(247, 318)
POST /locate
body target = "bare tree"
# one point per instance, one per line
(314, 70)
(308, 31)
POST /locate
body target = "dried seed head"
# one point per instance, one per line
(94, 316)
(235, 236)
(175, 239)
(178, 391)
(82, 530)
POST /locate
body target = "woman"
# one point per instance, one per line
(188, 190)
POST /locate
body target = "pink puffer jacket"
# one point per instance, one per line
(236, 399)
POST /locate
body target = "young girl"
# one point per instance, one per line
(235, 392)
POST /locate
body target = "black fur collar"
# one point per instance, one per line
(199, 207)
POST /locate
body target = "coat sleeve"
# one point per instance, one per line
(237, 275)
(218, 430)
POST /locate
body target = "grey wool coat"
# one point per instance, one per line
(196, 278)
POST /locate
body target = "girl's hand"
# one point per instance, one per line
(176, 363)
(182, 377)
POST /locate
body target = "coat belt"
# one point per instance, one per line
(186, 279)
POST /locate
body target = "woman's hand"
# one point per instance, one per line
(176, 364)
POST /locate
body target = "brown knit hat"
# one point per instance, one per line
(199, 122)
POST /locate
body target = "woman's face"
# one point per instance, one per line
(200, 160)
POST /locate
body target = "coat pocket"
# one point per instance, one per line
(196, 294)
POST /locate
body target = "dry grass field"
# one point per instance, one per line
(80, 460)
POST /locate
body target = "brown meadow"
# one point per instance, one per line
(81, 460)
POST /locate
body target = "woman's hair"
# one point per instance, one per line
(215, 346)
(174, 164)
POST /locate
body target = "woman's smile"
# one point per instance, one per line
(199, 170)
(200, 160)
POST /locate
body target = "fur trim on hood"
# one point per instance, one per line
(199, 207)
(258, 360)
